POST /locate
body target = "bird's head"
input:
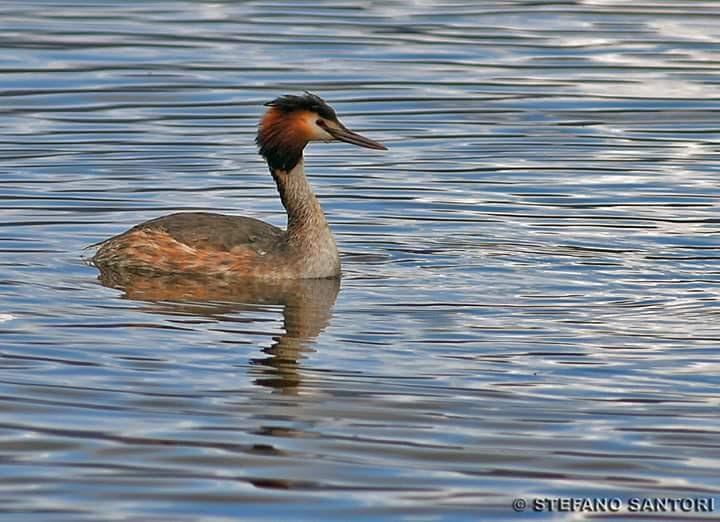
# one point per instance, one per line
(291, 122)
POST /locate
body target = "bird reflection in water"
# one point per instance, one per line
(307, 310)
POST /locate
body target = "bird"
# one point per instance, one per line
(211, 244)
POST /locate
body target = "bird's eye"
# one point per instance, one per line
(321, 123)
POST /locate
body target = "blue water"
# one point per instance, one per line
(530, 299)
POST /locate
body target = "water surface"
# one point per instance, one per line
(530, 302)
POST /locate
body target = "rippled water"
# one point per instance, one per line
(531, 294)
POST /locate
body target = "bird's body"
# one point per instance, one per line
(215, 244)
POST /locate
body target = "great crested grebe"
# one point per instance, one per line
(204, 243)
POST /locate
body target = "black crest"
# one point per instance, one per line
(306, 102)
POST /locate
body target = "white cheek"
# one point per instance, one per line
(316, 132)
(320, 134)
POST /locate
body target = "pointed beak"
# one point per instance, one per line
(348, 136)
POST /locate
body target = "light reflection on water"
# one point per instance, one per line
(530, 299)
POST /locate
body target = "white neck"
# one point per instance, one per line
(308, 232)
